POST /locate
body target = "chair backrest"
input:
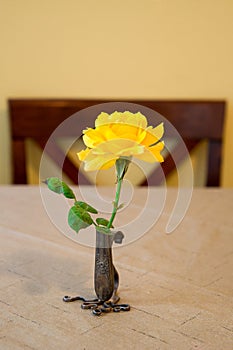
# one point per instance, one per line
(38, 118)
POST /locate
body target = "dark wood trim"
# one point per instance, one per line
(63, 162)
(194, 120)
(186, 116)
(157, 177)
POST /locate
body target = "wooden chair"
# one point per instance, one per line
(38, 118)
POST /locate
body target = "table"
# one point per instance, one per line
(179, 286)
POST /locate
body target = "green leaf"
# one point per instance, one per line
(60, 187)
(121, 206)
(67, 191)
(103, 222)
(104, 230)
(86, 207)
(54, 184)
(79, 219)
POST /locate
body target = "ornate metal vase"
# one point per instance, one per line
(106, 278)
(104, 269)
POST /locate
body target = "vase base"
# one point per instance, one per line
(98, 306)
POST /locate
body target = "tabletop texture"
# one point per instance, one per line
(179, 286)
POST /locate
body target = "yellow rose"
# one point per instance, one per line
(121, 134)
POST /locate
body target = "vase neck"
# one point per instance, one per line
(103, 240)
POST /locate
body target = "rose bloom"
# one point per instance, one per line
(121, 134)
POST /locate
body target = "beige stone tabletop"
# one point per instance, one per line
(179, 286)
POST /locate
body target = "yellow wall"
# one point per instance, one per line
(121, 49)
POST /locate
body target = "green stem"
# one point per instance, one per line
(116, 202)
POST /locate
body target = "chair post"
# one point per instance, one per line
(214, 163)
(19, 162)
